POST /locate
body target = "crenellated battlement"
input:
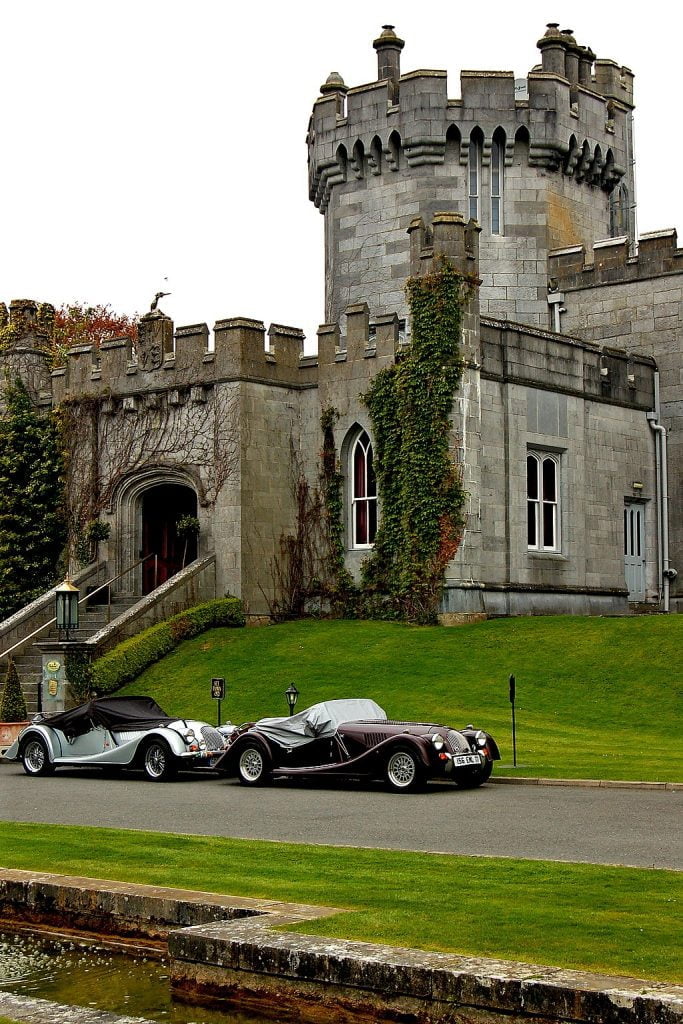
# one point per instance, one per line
(573, 110)
(610, 261)
(181, 360)
(447, 236)
(540, 162)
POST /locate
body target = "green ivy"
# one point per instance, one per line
(78, 670)
(410, 404)
(31, 510)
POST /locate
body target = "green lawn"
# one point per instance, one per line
(609, 919)
(596, 697)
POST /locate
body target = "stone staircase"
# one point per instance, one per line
(101, 625)
(91, 619)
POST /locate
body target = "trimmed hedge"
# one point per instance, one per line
(129, 658)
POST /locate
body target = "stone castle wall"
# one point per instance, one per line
(636, 303)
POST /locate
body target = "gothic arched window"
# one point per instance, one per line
(363, 493)
(542, 491)
(474, 174)
(497, 165)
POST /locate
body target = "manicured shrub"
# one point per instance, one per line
(12, 705)
(130, 657)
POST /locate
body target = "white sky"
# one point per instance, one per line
(147, 140)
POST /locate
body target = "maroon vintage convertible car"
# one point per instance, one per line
(354, 739)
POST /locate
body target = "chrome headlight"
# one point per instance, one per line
(189, 735)
(438, 741)
(480, 738)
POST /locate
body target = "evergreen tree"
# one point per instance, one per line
(31, 500)
(12, 704)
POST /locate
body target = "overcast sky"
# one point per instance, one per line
(153, 144)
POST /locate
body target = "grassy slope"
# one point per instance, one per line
(596, 697)
(614, 920)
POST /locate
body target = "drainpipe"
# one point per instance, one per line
(666, 573)
(555, 301)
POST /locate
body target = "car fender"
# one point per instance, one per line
(421, 746)
(54, 748)
(227, 763)
(492, 747)
(172, 738)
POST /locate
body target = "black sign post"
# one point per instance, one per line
(218, 693)
(513, 689)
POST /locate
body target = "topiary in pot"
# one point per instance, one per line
(12, 705)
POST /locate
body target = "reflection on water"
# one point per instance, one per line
(78, 972)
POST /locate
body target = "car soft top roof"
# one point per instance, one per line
(112, 713)
(319, 721)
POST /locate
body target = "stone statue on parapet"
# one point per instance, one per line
(155, 302)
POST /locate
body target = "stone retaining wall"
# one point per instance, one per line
(230, 949)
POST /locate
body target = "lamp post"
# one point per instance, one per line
(66, 607)
(292, 695)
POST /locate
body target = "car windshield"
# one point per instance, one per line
(319, 721)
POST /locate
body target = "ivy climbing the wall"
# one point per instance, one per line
(420, 487)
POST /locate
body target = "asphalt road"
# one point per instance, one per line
(641, 828)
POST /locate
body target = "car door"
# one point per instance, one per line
(88, 745)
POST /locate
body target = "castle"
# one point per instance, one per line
(567, 424)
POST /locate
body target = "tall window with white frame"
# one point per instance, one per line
(542, 491)
(497, 164)
(363, 493)
(474, 175)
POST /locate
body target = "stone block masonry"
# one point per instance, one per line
(231, 950)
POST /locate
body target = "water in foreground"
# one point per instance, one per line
(79, 972)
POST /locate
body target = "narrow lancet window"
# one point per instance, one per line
(364, 493)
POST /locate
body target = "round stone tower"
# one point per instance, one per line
(541, 163)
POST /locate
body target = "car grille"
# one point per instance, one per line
(457, 742)
(212, 737)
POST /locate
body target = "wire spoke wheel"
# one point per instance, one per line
(35, 758)
(158, 762)
(253, 767)
(403, 771)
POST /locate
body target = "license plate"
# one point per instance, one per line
(462, 759)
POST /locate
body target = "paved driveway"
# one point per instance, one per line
(606, 826)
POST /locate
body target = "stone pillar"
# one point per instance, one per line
(155, 339)
(389, 47)
(553, 46)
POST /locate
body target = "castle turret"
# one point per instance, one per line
(534, 167)
(25, 335)
(389, 47)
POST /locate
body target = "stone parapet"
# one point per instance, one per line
(610, 261)
(515, 353)
(407, 117)
(232, 949)
(240, 352)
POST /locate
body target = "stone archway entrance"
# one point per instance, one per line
(162, 506)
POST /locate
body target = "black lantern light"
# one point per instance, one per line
(292, 695)
(66, 607)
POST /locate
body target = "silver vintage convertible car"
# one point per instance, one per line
(354, 739)
(117, 732)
